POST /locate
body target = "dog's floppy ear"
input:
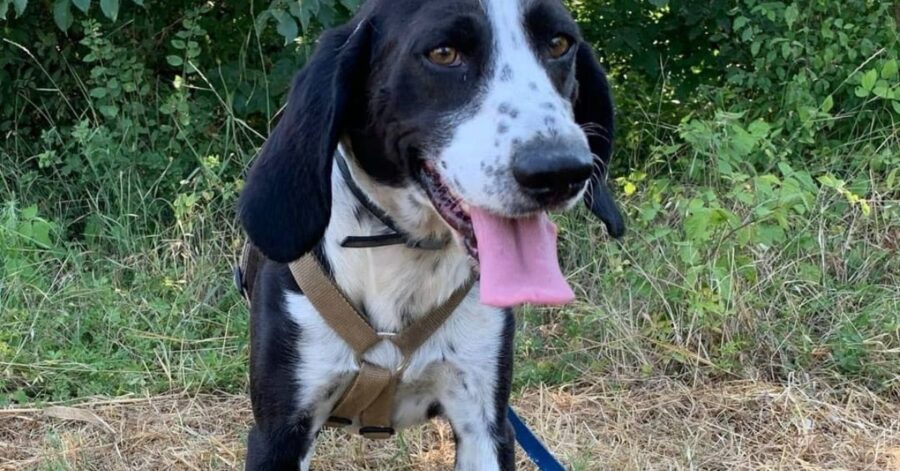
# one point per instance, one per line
(594, 112)
(286, 203)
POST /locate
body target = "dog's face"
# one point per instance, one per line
(486, 106)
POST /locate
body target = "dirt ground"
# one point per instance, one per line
(646, 425)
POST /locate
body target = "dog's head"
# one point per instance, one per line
(493, 110)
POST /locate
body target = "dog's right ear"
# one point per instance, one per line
(285, 205)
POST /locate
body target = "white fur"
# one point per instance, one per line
(386, 280)
(519, 100)
(306, 461)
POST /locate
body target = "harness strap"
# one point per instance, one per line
(332, 305)
(370, 384)
(370, 397)
(377, 420)
(410, 339)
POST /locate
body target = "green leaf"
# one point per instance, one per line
(740, 22)
(759, 129)
(287, 27)
(869, 79)
(305, 17)
(138, 2)
(828, 104)
(351, 5)
(110, 8)
(99, 92)
(40, 232)
(696, 226)
(261, 21)
(294, 9)
(326, 15)
(110, 111)
(4, 6)
(82, 5)
(175, 61)
(769, 234)
(24, 229)
(20, 6)
(743, 142)
(889, 70)
(791, 13)
(30, 212)
(62, 14)
(896, 106)
(696, 223)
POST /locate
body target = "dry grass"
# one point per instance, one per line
(656, 424)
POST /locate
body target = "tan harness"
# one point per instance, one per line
(369, 400)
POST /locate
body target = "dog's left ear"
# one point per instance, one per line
(594, 112)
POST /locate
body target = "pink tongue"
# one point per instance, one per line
(518, 261)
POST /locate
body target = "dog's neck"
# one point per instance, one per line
(395, 284)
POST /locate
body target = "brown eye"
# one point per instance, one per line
(445, 56)
(559, 46)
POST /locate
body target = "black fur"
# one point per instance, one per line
(434, 410)
(504, 438)
(278, 439)
(286, 204)
(408, 98)
(594, 111)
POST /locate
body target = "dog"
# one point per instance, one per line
(464, 122)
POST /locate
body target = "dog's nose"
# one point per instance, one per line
(552, 171)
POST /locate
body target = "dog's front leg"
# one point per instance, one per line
(475, 392)
(481, 445)
(477, 412)
(287, 447)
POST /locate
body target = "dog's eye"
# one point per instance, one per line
(559, 46)
(445, 56)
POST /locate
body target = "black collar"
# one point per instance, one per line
(396, 237)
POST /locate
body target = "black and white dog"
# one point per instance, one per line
(463, 120)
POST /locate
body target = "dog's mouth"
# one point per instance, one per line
(452, 209)
(516, 257)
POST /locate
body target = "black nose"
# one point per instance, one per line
(552, 171)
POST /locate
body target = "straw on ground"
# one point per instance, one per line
(609, 425)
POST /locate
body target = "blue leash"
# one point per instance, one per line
(532, 445)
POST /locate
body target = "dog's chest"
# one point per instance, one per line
(458, 362)
(456, 368)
